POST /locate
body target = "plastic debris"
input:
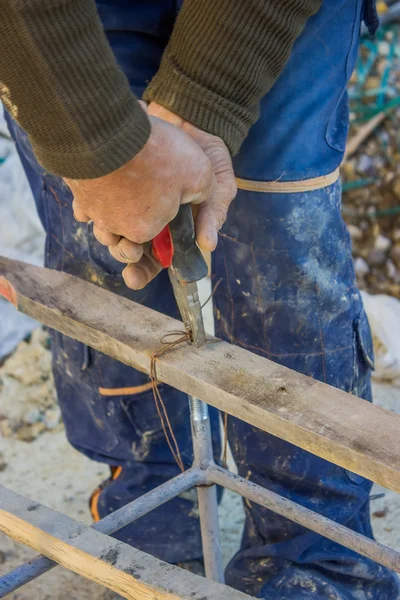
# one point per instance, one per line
(384, 316)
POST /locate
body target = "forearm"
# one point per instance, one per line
(223, 57)
(60, 80)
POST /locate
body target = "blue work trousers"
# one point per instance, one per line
(288, 293)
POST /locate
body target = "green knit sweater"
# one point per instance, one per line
(60, 81)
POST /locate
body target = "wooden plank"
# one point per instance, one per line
(129, 572)
(362, 134)
(319, 418)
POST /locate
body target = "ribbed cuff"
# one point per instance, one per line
(99, 160)
(200, 106)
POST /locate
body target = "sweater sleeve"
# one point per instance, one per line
(223, 57)
(60, 81)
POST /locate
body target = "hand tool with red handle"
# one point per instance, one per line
(175, 247)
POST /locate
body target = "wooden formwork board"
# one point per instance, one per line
(317, 417)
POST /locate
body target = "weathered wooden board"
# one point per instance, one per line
(328, 422)
(129, 572)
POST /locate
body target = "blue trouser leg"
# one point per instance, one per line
(288, 293)
(295, 301)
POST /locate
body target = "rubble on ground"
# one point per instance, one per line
(28, 405)
(371, 175)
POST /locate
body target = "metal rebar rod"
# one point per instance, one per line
(207, 495)
(308, 518)
(111, 523)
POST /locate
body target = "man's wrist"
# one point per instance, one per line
(161, 112)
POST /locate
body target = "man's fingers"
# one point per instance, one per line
(126, 251)
(212, 214)
(79, 214)
(138, 275)
(105, 238)
(209, 220)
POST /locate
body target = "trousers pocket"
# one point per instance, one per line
(364, 339)
(84, 410)
(363, 364)
(143, 416)
(363, 358)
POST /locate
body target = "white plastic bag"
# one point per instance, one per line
(384, 317)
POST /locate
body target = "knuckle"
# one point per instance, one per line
(143, 235)
(122, 256)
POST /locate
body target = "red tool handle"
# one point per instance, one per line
(163, 247)
(176, 246)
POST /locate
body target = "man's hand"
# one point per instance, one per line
(213, 192)
(132, 205)
(211, 213)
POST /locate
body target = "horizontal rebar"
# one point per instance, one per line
(306, 517)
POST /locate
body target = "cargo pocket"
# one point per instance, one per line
(143, 416)
(364, 338)
(363, 364)
(83, 409)
(338, 124)
(148, 441)
(363, 357)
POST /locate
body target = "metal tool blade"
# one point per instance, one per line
(188, 301)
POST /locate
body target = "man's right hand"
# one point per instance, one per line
(131, 205)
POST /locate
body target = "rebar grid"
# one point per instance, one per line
(205, 475)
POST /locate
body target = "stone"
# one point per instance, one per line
(28, 433)
(348, 169)
(376, 258)
(372, 83)
(33, 416)
(5, 428)
(355, 233)
(391, 269)
(395, 255)
(52, 417)
(396, 187)
(361, 267)
(384, 48)
(25, 434)
(382, 243)
(365, 164)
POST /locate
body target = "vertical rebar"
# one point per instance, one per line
(207, 494)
